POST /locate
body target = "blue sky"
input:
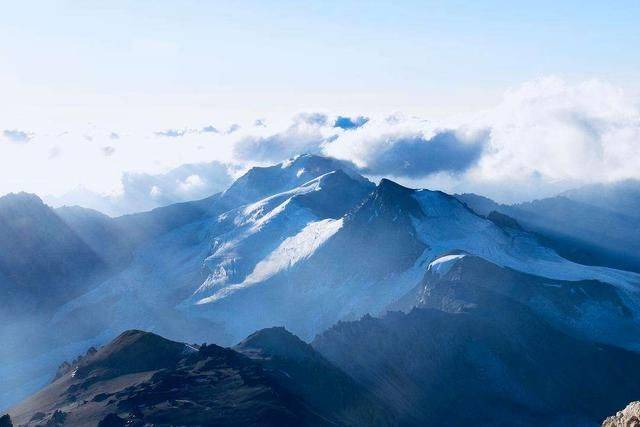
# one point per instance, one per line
(434, 57)
(89, 68)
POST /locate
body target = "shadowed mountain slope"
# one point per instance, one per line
(581, 229)
(38, 249)
(494, 364)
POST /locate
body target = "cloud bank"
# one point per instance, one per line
(411, 154)
(544, 137)
(584, 132)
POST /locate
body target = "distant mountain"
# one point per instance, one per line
(38, 249)
(586, 233)
(112, 242)
(620, 197)
(141, 378)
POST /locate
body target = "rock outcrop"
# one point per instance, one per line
(628, 417)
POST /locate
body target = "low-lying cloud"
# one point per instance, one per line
(142, 191)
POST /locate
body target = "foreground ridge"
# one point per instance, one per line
(141, 378)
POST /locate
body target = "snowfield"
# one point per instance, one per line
(239, 268)
(291, 251)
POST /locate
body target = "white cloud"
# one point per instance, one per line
(305, 134)
(542, 138)
(561, 131)
(108, 150)
(172, 133)
(209, 129)
(233, 128)
(409, 150)
(554, 134)
(191, 183)
(545, 136)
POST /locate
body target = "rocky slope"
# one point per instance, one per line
(587, 309)
(270, 379)
(628, 417)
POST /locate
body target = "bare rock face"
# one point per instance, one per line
(628, 417)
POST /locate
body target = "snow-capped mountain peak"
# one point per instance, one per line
(260, 182)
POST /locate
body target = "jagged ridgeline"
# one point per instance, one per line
(486, 303)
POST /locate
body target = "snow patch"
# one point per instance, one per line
(295, 248)
(189, 349)
(442, 265)
(287, 254)
(448, 225)
(287, 163)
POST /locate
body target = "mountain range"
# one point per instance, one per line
(596, 225)
(413, 302)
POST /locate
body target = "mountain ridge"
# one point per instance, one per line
(305, 244)
(140, 377)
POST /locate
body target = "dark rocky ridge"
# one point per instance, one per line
(142, 378)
